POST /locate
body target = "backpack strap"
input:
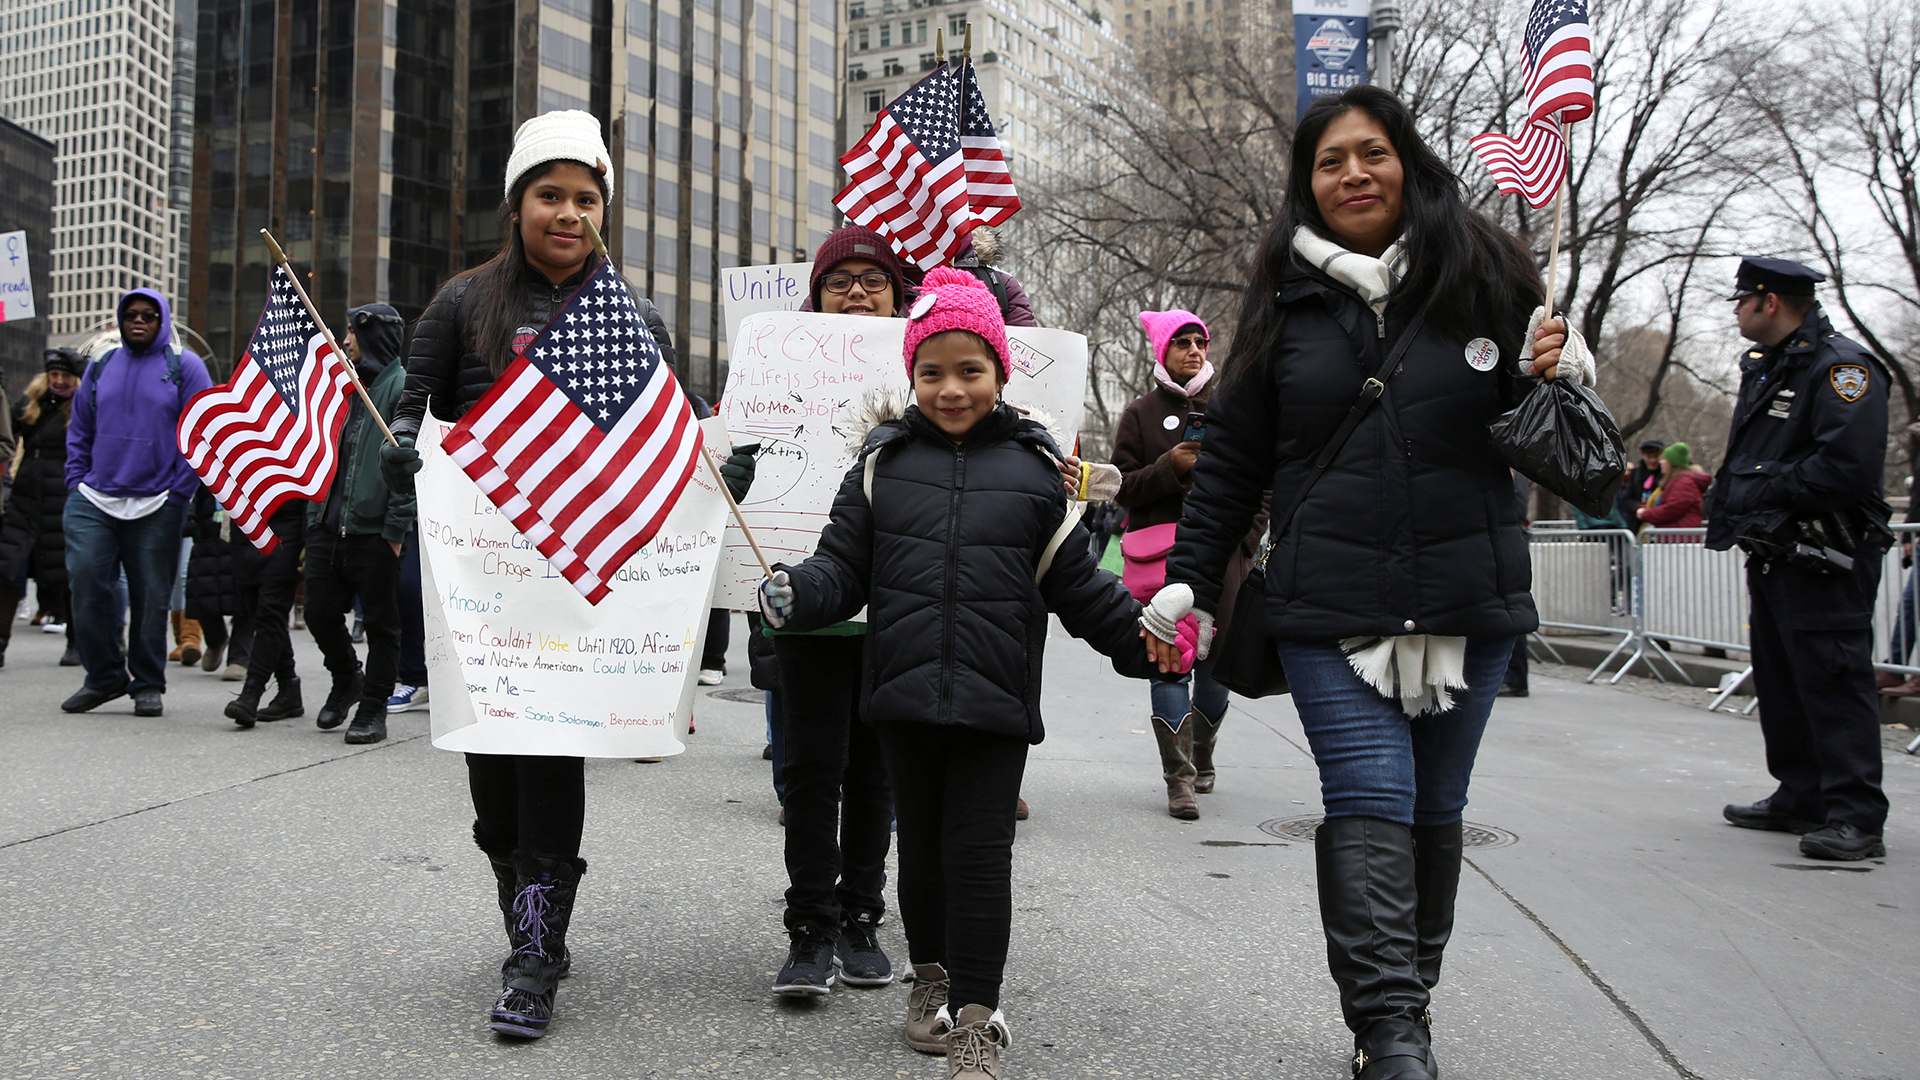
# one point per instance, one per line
(1072, 518)
(174, 353)
(996, 283)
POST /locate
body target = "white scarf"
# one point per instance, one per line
(1372, 278)
(1194, 385)
(1419, 671)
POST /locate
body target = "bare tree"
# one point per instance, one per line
(1841, 107)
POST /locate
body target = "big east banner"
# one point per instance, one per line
(793, 382)
(519, 663)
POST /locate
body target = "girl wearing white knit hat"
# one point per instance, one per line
(529, 809)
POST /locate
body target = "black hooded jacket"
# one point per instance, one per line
(447, 374)
(31, 539)
(943, 559)
(1414, 527)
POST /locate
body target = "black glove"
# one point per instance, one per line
(738, 471)
(399, 463)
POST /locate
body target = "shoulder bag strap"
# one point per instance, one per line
(1370, 392)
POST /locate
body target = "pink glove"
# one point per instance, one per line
(1186, 638)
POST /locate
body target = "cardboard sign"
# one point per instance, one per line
(16, 278)
(745, 290)
(519, 663)
(792, 383)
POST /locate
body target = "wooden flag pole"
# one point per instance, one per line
(280, 259)
(706, 452)
(1559, 203)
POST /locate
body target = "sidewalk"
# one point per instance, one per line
(189, 900)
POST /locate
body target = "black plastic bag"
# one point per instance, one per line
(1563, 438)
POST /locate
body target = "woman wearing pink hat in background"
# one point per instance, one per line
(1155, 446)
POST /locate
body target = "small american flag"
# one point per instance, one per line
(272, 433)
(908, 177)
(1559, 66)
(989, 184)
(586, 440)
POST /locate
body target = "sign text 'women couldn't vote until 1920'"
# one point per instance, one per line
(520, 663)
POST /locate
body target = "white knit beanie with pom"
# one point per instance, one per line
(565, 135)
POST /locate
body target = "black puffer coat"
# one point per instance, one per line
(31, 541)
(213, 589)
(943, 560)
(446, 374)
(1412, 530)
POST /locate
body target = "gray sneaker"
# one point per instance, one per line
(927, 1022)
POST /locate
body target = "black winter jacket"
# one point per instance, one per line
(213, 587)
(31, 540)
(1809, 435)
(1413, 529)
(446, 374)
(943, 560)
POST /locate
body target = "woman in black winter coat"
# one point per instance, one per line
(31, 542)
(529, 809)
(1398, 586)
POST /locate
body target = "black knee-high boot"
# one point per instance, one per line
(543, 908)
(1436, 875)
(507, 884)
(1367, 906)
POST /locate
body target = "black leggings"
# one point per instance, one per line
(954, 791)
(535, 805)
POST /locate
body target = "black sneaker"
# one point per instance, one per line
(857, 954)
(809, 968)
(147, 703)
(1763, 815)
(1841, 842)
(87, 698)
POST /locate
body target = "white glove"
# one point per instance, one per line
(776, 599)
(1204, 645)
(1576, 360)
(1103, 482)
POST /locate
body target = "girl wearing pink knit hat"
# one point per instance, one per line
(953, 531)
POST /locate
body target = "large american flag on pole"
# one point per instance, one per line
(1559, 67)
(586, 440)
(989, 183)
(272, 432)
(907, 179)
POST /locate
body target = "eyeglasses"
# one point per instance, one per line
(1189, 341)
(872, 281)
(141, 316)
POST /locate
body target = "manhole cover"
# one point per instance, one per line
(745, 694)
(1303, 828)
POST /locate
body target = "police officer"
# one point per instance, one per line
(1800, 491)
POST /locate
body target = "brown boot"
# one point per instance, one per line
(974, 1044)
(927, 1025)
(189, 632)
(176, 617)
(1176, 763)
(1205, 734)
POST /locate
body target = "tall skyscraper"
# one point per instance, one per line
(95, 78)
(372, 138)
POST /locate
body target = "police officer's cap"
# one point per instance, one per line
(1785, 277)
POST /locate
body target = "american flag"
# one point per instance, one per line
(273, 431)
(1559, 66)
(586, 440)
(989, 184)
(908, 177)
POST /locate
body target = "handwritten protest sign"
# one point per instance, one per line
(790, 383)
(749, 289)
(16, 278)
(519, 663)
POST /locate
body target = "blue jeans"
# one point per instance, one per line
(1171, 700)
(1374, 760)
(99, 548)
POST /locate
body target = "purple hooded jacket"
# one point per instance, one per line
(122, 440)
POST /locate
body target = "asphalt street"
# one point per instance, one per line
(179, 898)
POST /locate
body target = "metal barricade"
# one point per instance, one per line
(1584, 580)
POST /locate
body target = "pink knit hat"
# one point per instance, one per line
(1162, 325)
(953, 299)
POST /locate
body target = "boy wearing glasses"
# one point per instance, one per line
(128, 489)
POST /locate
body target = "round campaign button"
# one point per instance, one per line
(1170, 423)
(1482, 354)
